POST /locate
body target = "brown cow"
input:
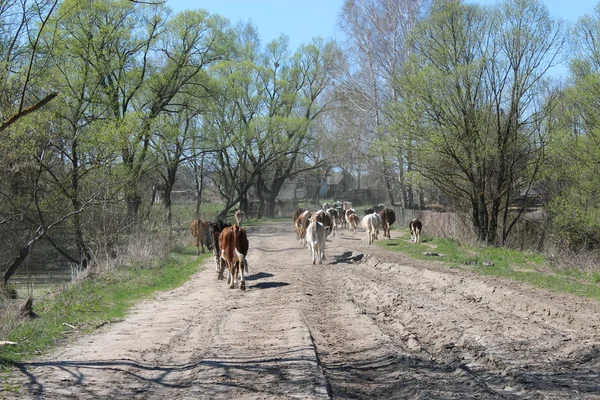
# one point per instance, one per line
(415, 227)
(233, 243)
(388, 217)
(202, 232)
(297, 213)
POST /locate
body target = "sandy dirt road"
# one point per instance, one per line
(383, 327)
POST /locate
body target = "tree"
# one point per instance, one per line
(377, 32)
(473, 104)
(573, 173)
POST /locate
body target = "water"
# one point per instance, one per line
(40, 281)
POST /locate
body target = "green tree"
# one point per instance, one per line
(472, 105)
(573, 176)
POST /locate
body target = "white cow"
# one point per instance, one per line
(370, 224)
(315, 238)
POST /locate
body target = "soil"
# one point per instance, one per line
(366, 324)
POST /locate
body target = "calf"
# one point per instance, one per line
(415, 231)
(315, 237)
(202, 233)
(233, 242)
(370, 224)
(388, 217)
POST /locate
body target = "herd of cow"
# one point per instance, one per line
(229, 243)
(312, 228)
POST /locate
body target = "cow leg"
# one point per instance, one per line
(232, 275)
(229, 274)
(241, 269)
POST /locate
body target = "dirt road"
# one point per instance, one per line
(383, 327)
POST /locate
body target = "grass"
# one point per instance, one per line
(529, 267)
(89, 303)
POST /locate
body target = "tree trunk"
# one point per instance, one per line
(388, 183)
(198, 184)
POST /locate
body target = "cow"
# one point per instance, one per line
(239, 217)
(217, 228)
(335, 219)
(378, 208)
(202, 232)
(325, 218)
(369, 211)
(388, 217)
(301, 224)
(297, 214)
(326, 206)
(415, 227)
(315, 237)
(352, 220)
(233, 243)
(370, 224)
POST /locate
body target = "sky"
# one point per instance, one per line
(301, 20)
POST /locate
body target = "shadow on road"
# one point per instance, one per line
(358, 375)
(269, 285)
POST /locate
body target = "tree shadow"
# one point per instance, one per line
(269, 285)
(258, 275)
(280, 372)
(347, 257)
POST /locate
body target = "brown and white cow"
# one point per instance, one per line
(301, 224)
(233, 243)
(202, 232)
(325, 218)
(388, 217)
(415, 227)
(316, 234)
(352, 220)
(370, 224)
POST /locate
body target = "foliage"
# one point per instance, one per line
(573, 179)
(471, 105)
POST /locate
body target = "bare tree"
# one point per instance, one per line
(377, 32)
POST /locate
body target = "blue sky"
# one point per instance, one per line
(301, 20)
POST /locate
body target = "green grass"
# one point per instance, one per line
(529, 267)
(91, 302)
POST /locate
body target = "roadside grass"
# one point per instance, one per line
(524, 266)
(84, 306)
